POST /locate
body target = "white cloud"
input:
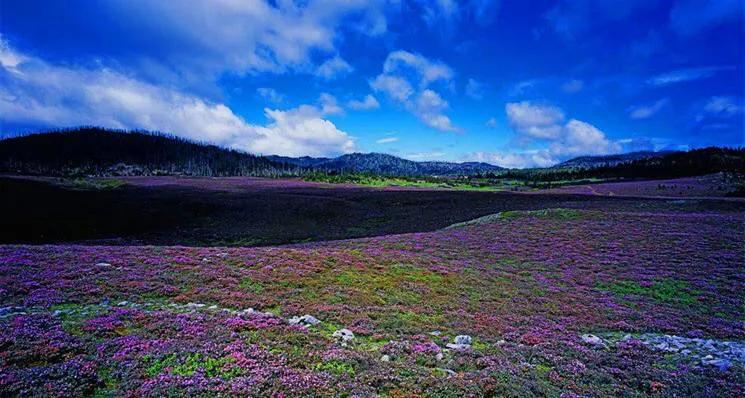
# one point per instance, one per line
(270, 95)
(35, 92)
(395, 87)
(424, 155)
(724, 106)
(246, 36)
(474, 89)
(428, 107)
(491, 123)
(647, 111)
(367, 103)
(522, 87)
(684, 75)
(517, 160)
(582, 138)
(387, 140)
(535, 120)
(329, 106)
(400, 69)
(544, 124)
(333, 68)
(401, 62)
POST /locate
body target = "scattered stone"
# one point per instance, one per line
(212, 307)
(343, 335)
(103, 265)
(439, 356)
(435, 333)
(463, 339)
(385, 358)
(305, 320)
(593, 340)
(122, 303)
(195, 305)
(721, 363)
(461, 342)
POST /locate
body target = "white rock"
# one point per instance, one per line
(463, 339)
(103, 265)
(344, 335)
(385, 358)
(439, 356)
(458, 347)
(593, 340)
(308, 320)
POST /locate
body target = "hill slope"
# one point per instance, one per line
(102, 152)
(609, 160)
(95, 151)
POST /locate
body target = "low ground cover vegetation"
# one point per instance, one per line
(537, 303)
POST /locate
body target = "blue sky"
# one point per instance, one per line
(513, 83)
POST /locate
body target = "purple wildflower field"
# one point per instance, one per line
(562, 302)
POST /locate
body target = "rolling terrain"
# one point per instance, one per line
(187, 284)
(566, 302)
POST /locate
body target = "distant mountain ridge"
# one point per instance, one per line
(609, 160)
(381, 163)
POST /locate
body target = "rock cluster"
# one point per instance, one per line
(305, 320)
(709, 352)
(461, 342)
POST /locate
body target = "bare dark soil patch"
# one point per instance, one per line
(37, 211)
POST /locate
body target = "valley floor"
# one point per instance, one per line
(566, 302)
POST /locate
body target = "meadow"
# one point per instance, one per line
(609, 297)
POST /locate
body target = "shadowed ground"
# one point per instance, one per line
(251, 211)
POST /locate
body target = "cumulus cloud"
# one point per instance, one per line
(192, 43)
(491, 123)
(535, 120)
(647, 111)
(403, 62)
(582, 138)
(333, 68)
(544, 125)
(38, 93)
(395, 87)
(407, 78)
(329, 105)
(367, 103)
(514, 160)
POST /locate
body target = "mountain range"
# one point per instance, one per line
(96, 151)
